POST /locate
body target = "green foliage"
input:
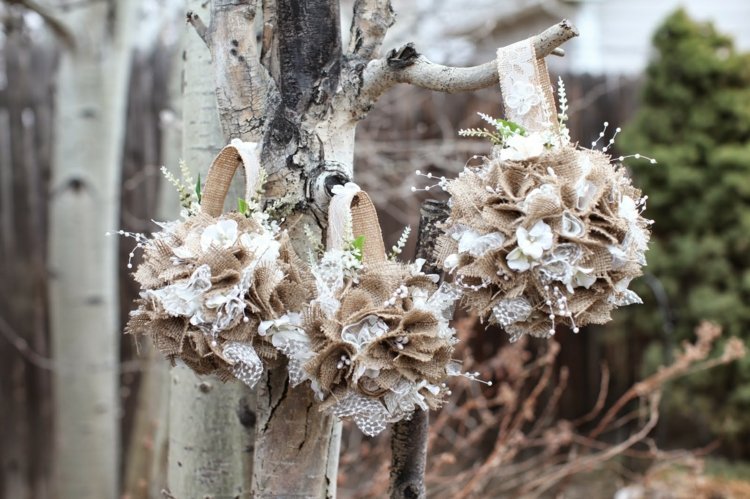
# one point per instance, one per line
(198, 193)
(357, 247)
(242, 207)
(695, 120)
(503, 129)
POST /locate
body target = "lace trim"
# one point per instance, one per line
(526, 88)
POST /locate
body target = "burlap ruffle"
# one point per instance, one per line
(409, 347)
(593, 212)
(275, 288)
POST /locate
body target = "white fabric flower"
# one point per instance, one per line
(222, 234)
(288, 337)
(451, 262)
(622, 296)
(628, 210)
(619, 256)
(183, 252)
(584, 188)
(572, 226)
(288, 322)
(229, 307)
(533, 242)
(522, 97)
(475, 244)
(364, 332)
(264, 247)
(585, 193)
(520, 147)
(415, 269)
(583, 278)
(518, 260)
(184, 298)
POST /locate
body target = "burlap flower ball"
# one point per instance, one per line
(213, 284)
(385, 349)
(375, 344)
(543, 233)
(210, 289)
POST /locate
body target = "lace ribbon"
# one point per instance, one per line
(525, 85)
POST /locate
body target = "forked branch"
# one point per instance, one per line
(406, 65)
(370, 23)
(245, 92)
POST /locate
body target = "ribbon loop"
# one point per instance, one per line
(222, 170)
(351, 206)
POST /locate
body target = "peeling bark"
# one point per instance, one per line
(370, 23)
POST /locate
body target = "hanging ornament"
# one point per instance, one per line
(375, 343)
(213, 282)
(542, 232)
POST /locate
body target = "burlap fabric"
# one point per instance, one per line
(201, 304)
(589, 233)
(382, 337)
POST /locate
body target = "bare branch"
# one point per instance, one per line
(409, 437)
(370, 23)
(245, 92)
(197, 23)
(406, 65)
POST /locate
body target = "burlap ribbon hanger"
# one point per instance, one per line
(221, 172)
(353, 206)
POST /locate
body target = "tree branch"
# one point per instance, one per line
(409, 437)
(245, 92)
(197, 23)
(370, 23)
(406, 65)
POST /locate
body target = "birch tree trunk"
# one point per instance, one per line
(145, 469)
(84, 204)
(210, 422)
(297, 92)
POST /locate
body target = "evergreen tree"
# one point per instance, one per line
(695, 119)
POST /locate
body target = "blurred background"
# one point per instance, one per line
(675, 75)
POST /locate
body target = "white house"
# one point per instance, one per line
(615, 34)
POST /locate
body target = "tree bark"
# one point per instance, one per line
(210, 422)
(297, 446)
(89, 126)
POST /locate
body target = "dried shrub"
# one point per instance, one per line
(506, 441)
